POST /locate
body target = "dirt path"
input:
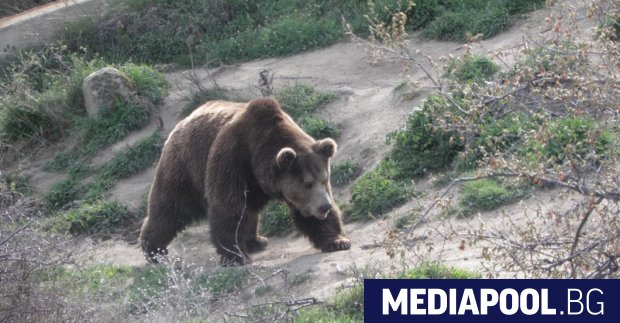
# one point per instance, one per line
(367, 109)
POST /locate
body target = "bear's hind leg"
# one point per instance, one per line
(163, 223)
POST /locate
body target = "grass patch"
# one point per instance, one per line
(126, 163)
(346, 306)
(98, 279)
(301, 102)
(92, 217)
(433, 270)
(376, 193)
(485, 195)
(42, 92)
(201, 95)
(471, 68)
(419, 147)
(203, 31)
(63, 193)
(223, 281)
(344, 172)
(276, 220)
(571, 138)
(454, 20)
(134, 159)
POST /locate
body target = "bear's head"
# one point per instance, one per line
(304, 178)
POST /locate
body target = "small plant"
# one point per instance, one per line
(63, 193)
(345, 306)
(471, 68)
(301, 102)
(134, 159)
(344, 172)
(223, 281)
(433, 270)
(571, 138)
(485, 195)
(93, 217)
(201, 95)
(420, 147)
(318, 127)
(375, 193)
(276, 220)
(147, 82)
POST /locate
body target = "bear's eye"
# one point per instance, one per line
(307, 186)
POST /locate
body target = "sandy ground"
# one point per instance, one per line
(367, 109)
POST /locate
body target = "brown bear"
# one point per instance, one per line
(224, 162)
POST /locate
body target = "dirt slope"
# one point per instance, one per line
(367, 109)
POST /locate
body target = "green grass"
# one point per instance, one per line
(485, 195)
(92, 217)
(376, 193)
(302, 102)
(201, 95)
(433, 270)
(570, 138)
(454, 19)
(224, 280)
(134, 159)
(346, 305)
(204, 31)
(126, 163)
(419, 148)
(470, 68)
(276, 220)
(104, 278)
(344, 172)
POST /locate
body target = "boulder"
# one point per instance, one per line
(103, 87)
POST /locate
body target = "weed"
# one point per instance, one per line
(301, 102)
(93, 217)
(318, 127)
(63, 193)
(223, 280)
(484, 195)
(419, 147)
(571, 138)
(344, 172)
(276, 220)
(134, 159)
(433, 270)
(147, 82)
(15, 182)
(376, 192)
(345, 306)
(470, 68)
(200, 96)
(112, 125)
(402, 222)
(450, 20)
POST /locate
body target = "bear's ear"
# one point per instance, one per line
(286, 157)
(327, 147)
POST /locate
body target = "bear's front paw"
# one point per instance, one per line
(341, 243)
(256, 244)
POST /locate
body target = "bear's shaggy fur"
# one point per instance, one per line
(225, 162)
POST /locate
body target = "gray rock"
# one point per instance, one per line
(103, 87)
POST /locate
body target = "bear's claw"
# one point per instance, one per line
(336, 245)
